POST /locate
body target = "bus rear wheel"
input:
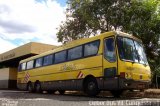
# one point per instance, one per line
(116, 93)
(51, 91)
(91, 87)
(30, 87)
(61, 92)
(38, 87)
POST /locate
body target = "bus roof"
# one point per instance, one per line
(79, 42)
(127, 35)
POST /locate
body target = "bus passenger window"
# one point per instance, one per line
(38, 62)
(19, 68)
(23, 66)
(48, 60)
(75, 53)
(30, 64)
(91, 48)
(109, 51)
(60, 57)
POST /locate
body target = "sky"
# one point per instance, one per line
(24, 21)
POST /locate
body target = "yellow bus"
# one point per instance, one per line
(113, 61)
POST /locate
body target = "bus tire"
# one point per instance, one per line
(30, 87)
(38, 87)
(51, 91)
(116, 93)
(91, 87)
(61, 92)
(141, 90)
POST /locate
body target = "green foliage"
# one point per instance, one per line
(138, 17)
(144, 22)
(87, 17)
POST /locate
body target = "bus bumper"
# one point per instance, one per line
(122, 84)
(133, 84)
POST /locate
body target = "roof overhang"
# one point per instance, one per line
(12, 57)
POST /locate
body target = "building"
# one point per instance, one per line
(9, 62)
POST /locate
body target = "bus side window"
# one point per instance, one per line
(30, 64)
(60, 56)
(38, 62)
(48, 60)
(91, 48)
(23, 66)
(75, 53)
(19, 68)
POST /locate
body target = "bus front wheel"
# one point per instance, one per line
(91, 87)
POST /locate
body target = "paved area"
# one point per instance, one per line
(23, 98)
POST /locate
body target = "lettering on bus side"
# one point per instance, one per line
(71, 66)
(68, 67)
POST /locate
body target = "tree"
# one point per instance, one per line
(87, 17)
(144, 22)
(138, 17)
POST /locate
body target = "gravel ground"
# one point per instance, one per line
(23, 98)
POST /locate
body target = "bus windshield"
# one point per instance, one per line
(131, 50)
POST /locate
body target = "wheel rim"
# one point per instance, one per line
(91, 86)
